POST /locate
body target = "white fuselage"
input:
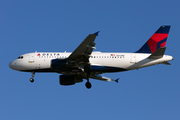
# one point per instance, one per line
(41, 61)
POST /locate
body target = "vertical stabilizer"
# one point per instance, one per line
(157, 40)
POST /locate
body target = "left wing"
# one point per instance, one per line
(80, 56)
(99, 77)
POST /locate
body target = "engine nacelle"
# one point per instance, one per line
(69, 79)
(59, 64)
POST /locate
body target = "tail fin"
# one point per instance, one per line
(157, 40)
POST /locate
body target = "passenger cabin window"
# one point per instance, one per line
(20, 57)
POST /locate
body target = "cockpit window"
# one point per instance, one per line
(20, 57)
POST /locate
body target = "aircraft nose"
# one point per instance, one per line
(11, 65)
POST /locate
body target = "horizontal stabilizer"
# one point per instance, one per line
(166, 63)
(158, 53)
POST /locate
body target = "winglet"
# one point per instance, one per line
(117, 80)
(166, 63)
(97, 33)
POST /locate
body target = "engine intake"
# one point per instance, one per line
(59, 64)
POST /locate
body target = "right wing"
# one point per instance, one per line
(80, 56)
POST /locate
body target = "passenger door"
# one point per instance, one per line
(31, 58)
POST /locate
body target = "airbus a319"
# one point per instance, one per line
(83, 63)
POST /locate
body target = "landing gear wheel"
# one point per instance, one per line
(31, 80)
(88, 85)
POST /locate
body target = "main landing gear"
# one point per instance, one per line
(88, 84)
(32, 79)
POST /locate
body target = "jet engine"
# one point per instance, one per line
(59, 64)
(69, 79)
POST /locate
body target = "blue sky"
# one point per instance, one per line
(61, 25)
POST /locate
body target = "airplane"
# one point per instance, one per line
(83, 63)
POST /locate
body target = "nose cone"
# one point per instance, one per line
(15, 65)
(12, 65)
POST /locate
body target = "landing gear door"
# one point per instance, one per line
(133, 58)
(31, 58)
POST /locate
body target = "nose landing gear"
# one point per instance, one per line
(32, 79)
